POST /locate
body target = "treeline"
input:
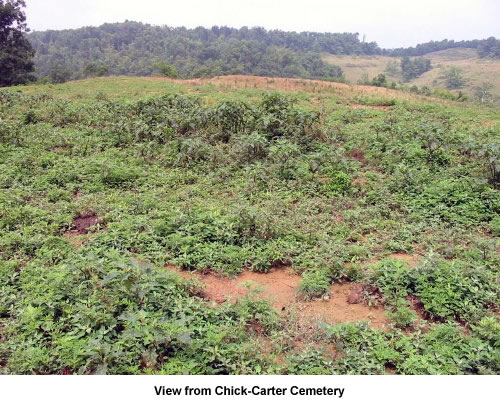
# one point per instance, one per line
(486, 48)
(133, 49)
(489, 48)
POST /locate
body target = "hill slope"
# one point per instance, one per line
(357, 227)
(476, 70)
(133, 48)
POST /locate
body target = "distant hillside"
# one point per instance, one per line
(132, 48)
(486, 48)
(474, 69)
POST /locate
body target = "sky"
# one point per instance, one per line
(391, 23)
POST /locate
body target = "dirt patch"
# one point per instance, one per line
(338, 310)
(81, 226)
(279, 286)
(360, 181)
(358, 155)
(410, 260)
(61, 148)
(375, 107)
(339, 218)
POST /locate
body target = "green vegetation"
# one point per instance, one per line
(105, 181)
(486, 48)
(453, 78)
(16, 52)
(137, 49)
(132, 48)
(165, 69)
(412, 68)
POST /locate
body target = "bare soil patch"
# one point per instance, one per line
(279, 286)
(74, 239)
(358, 155)
(338, 310)
(409, 259)
(83, 223)
(81, 226)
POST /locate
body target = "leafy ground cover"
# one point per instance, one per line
(105, 182)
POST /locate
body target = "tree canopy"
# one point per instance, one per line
(16, 52)
(138, 49)
(412, 68)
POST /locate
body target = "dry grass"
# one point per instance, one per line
(476, 70)
(343, 91)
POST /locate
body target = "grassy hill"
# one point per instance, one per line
(246, 225)
(476, 70)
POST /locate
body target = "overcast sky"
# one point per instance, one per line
(391, 23)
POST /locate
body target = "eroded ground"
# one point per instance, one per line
(279, 286)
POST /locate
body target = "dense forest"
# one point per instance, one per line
(133, 48)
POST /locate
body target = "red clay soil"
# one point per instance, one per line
(410, 260)
(338, 310)
(279, 286)
(375, 107)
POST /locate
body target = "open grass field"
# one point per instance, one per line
(475, 69)
(246, 225)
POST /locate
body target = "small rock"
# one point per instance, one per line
(356, 295)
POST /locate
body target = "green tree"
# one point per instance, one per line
(483, 92)
(94, 69)
(59, 73)
(379, 81)
(165, 69)
(16, 53)
(392, 68)
(453, 78)
(412, 68)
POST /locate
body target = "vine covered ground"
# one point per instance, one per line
(129, 205)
